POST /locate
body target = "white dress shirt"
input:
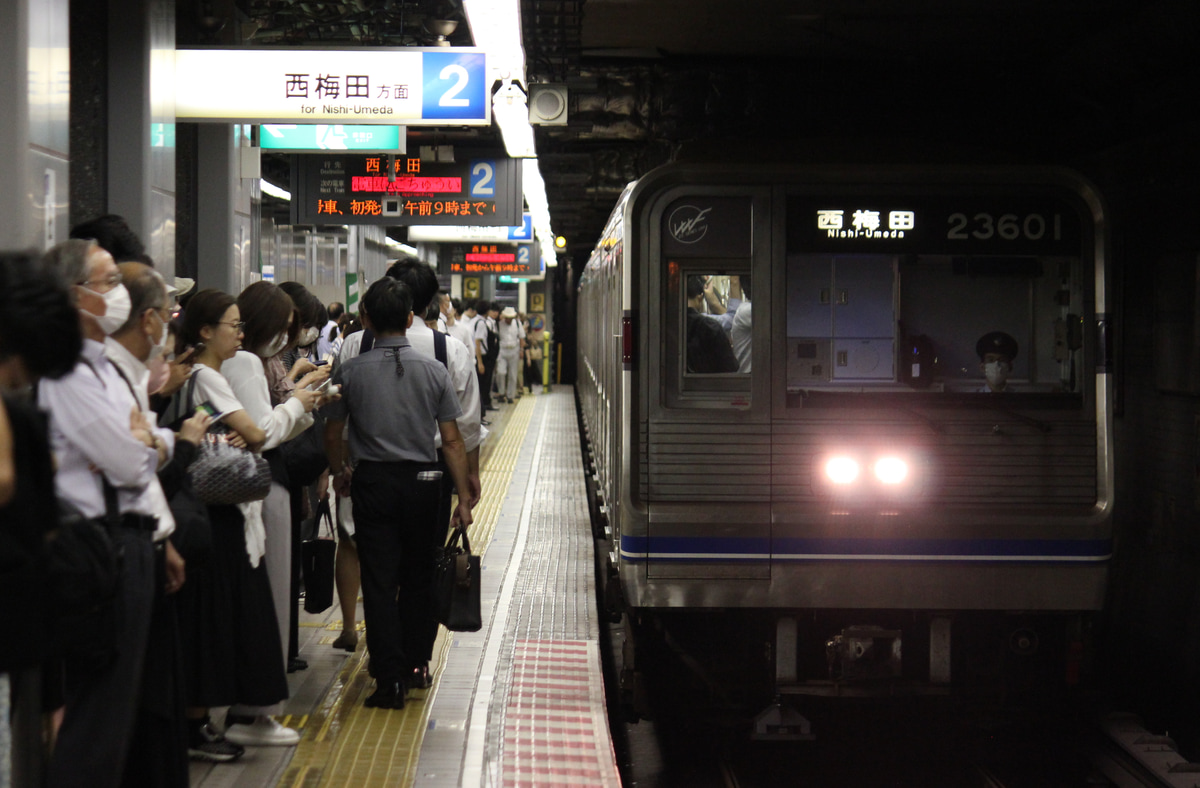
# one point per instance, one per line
(138, 375)
(325, 339)
(89, 412)
(461, 330)
(511, 334)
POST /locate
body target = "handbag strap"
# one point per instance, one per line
(459, 534)
(326, 516)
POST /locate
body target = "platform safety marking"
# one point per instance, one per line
(556, 728)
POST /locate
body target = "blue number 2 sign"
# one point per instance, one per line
(454, 86)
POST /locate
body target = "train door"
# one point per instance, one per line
(708, 439)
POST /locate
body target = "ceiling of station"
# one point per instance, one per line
(649, 81)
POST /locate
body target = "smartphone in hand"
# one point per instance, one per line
(210, 409)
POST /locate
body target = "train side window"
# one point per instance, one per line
(717, 324)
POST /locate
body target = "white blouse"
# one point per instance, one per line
(248, 384)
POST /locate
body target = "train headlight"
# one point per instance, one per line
(891, 470)
(841, 470)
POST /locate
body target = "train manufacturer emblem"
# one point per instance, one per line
(688, 223)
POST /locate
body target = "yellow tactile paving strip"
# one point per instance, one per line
(343, 742)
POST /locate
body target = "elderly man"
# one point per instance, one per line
(161, 735)
(512, 342)
(107, 459)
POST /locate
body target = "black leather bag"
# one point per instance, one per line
(84, 572)
(456, 586)
(317, 563)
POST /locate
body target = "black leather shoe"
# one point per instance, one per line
(388, 695)
(420, 678)
(295, 663)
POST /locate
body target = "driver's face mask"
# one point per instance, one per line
(996, 373)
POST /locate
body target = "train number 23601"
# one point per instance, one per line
(1009, 226)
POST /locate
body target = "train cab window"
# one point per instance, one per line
(717, 324)
(935, 325)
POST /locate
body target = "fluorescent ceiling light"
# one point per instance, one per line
(275, 191)
(496, 27)
(392, 243)
(511, 112)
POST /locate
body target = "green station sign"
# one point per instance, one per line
(302, 137)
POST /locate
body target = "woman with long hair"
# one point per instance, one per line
(269, 326)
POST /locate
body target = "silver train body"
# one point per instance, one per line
(869, 289)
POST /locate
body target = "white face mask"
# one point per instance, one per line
(277, 344)
(308, 336)
(116, 309)
(996, 373)
(157, 348)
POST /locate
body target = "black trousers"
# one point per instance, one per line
(395, 511)
(427, 629)
(102, 705)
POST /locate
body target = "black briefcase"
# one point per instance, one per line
(456, 586)
(317, 560)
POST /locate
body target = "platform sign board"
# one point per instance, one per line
(308, 137)
(477, 189)
(519, 233)
(404, 85)
(490, 258)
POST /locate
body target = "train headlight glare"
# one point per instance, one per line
(841, 470)
(891, 470)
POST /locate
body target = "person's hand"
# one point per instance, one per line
(193, 430)
(176, 568)
(308, 398)
(140, 427)
(180, 370)
(341, 482)
(235, 439)
(480, 367)
(462, 516)
(317, 376)
(474, 490)
(302, 367)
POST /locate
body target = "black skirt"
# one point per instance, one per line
(230, 637)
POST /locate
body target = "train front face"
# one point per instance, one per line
(879, 390)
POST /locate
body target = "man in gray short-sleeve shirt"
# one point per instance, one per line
(392, 395)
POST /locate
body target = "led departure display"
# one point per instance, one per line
(479, 189)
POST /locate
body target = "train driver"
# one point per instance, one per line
(996, 351)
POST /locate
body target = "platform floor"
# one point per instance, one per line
(519, 703)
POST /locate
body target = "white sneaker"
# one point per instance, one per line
(263, 732)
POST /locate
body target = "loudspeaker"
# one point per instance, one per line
(548, 104)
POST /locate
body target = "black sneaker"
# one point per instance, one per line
(206, 744)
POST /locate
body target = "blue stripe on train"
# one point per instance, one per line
(705, 548)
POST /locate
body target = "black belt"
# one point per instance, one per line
(418, 464)
(139, 522)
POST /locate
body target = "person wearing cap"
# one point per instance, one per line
(996, 351)
(512, 340)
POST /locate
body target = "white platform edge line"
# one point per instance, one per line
(472, 771)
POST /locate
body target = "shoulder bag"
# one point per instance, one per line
(225, 474)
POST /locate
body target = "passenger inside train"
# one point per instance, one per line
(708, 348)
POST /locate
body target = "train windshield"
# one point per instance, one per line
(946, 299)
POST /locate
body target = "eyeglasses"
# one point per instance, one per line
(112, 280)
(236, 326)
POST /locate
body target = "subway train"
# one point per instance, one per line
(848, 430)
